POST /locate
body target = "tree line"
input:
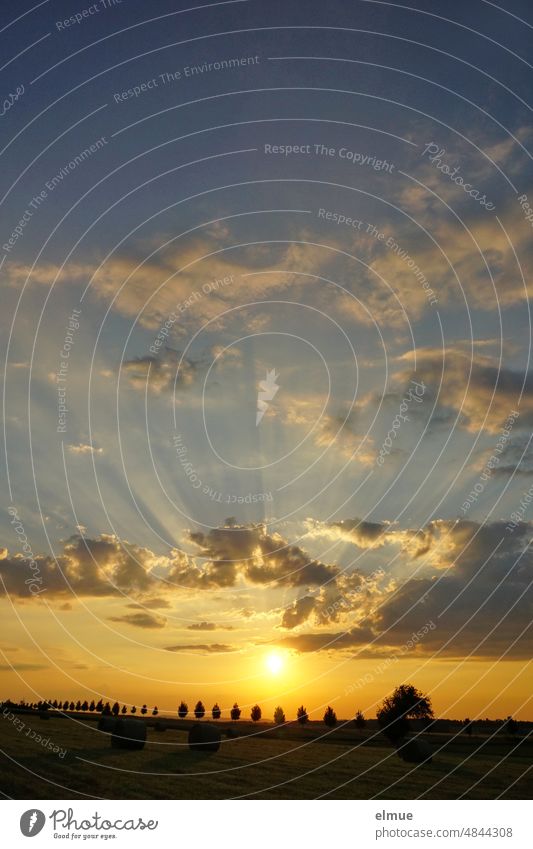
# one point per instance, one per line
(393, 715)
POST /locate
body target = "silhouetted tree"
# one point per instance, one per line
(359, 720)
(99, 706)
(155, 711)
(235, 712)
(199, 710)
(183, 710)
(124, 709)
(405, 703)
(54, 704)
(215, 711)
(133, 709)
(92, 706)
(301, 715)
(144, 710)
(65, 705)
(115, 710)
(78, 705)
(85, 705)
(330, 717)
(279, 716)
(256, 713)
(72, 706)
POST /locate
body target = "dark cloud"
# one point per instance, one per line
(104, 566)
(298, 612)
(474, 596)
(482, 393)
(140, 620)
(150, 604)
(163, 371)
(261, 558)
(208, 648)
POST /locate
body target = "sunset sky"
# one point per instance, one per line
(175, 548)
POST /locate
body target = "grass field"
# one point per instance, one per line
(286, 763)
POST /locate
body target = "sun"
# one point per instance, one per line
(274, 662)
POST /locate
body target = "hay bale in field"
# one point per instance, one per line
(231, 732)
(160, 726)
(107, 724)
(414, 751)
(129, 734)
(204, 737)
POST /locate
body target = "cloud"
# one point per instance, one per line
(140, 620)
(463, 576)
(478, 389)
(150, 603)
(358, 531)
(82, 448)
(206, 648)
(104, 566)
(209, 626)
(476, 589)
(261, 558)
(298, 612)
(22, 667)
(517, 457)
(163, 372)
(108, 567)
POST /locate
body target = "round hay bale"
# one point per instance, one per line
(107, 724)
(231, 732)
(160, 726)
(129, 734)
(204, 737)
(415, 751)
